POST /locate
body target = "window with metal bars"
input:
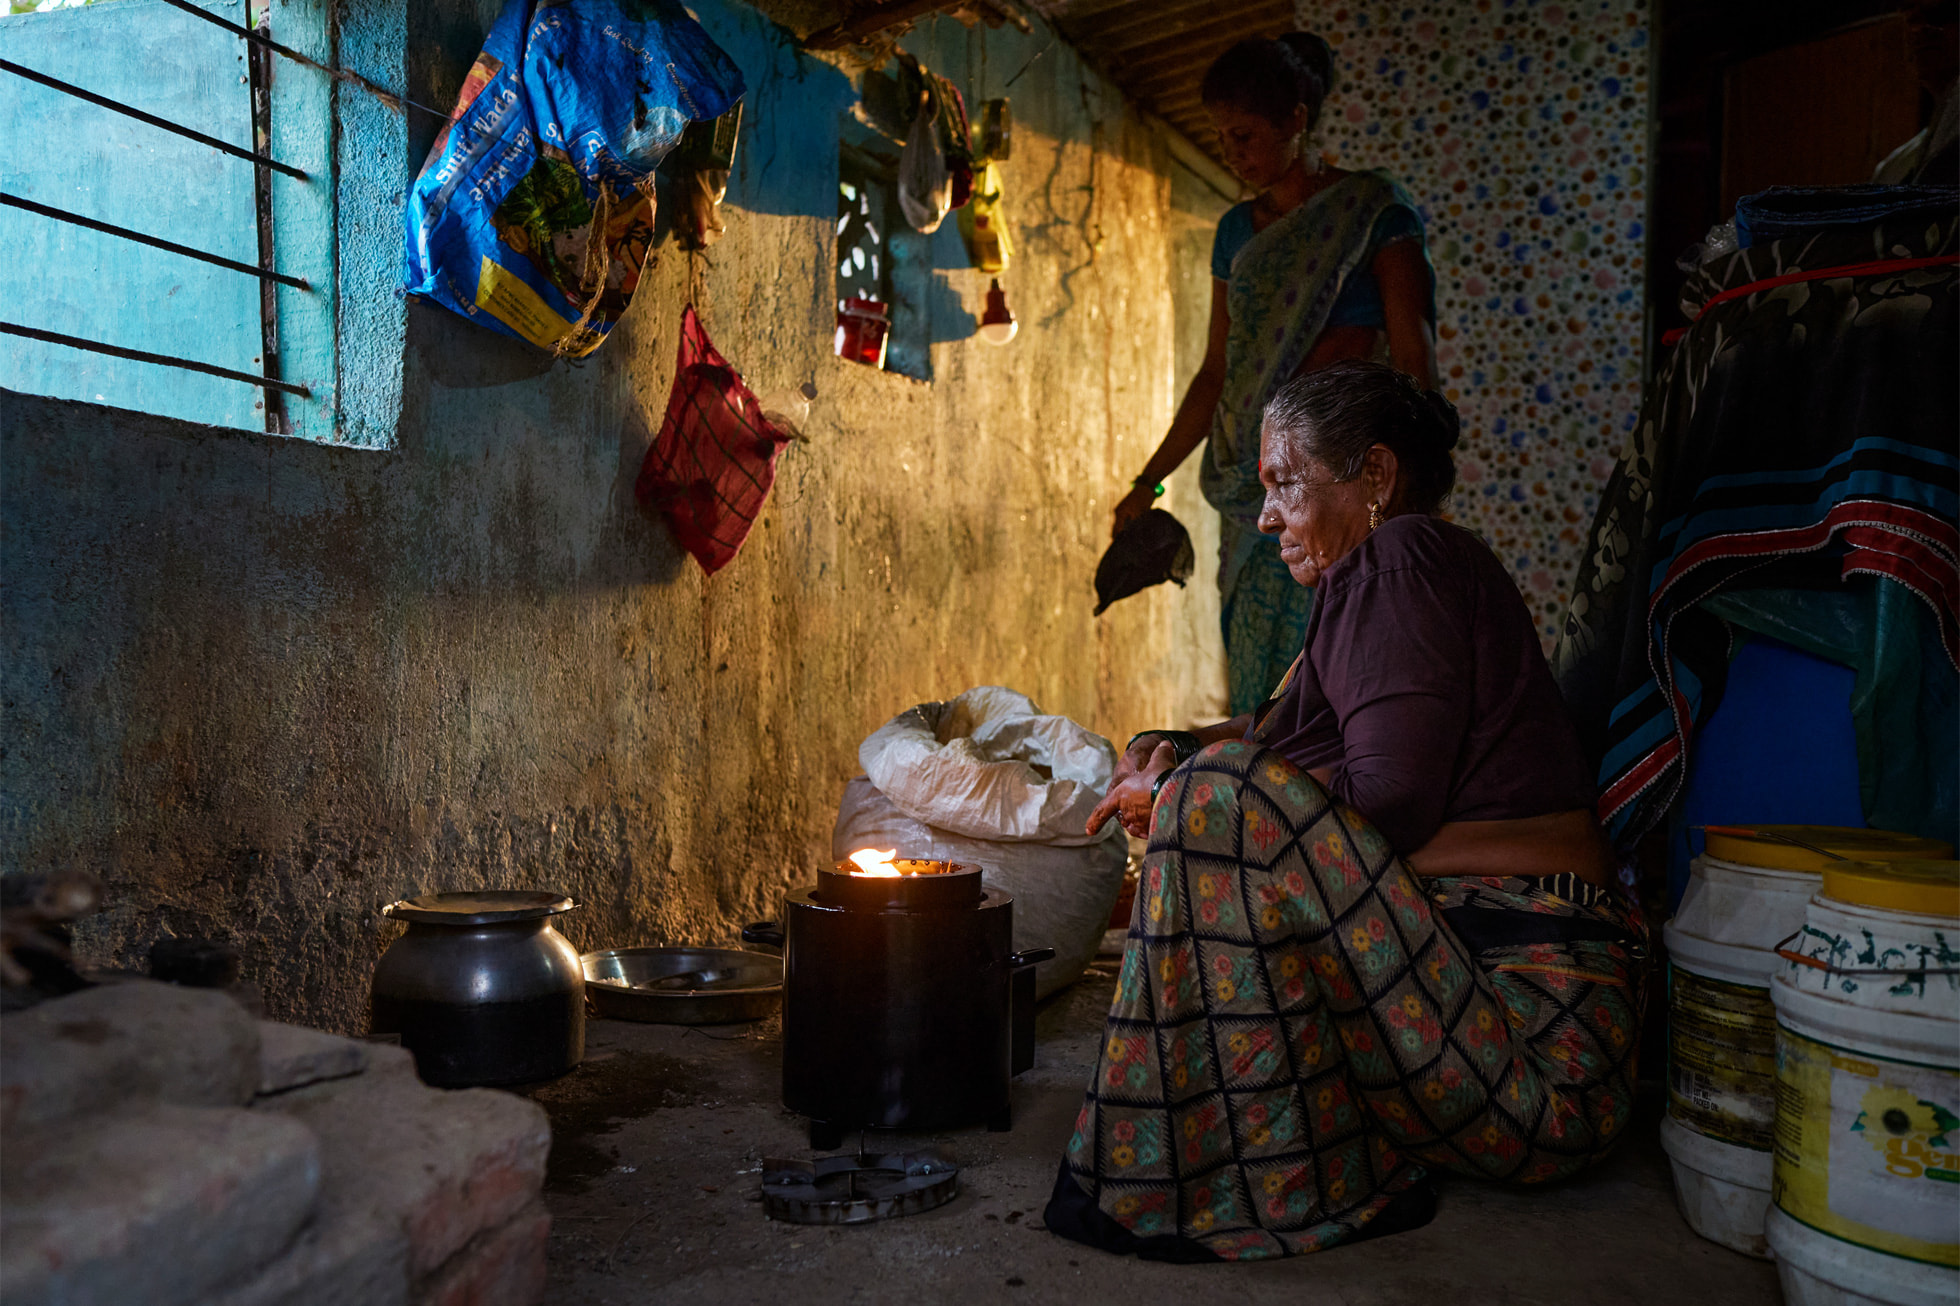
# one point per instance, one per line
(200, 202)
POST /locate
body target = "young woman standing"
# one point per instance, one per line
(1322, 265)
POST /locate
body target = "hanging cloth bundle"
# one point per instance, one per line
(935, 167)
(712, 465)
(925, 188)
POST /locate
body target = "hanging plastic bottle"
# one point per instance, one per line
(788, 408)
(983, 225)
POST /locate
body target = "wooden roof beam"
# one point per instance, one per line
(1180, 49)
(1161, 20)
(862, 26)
(1187, 56)
(1074, 15)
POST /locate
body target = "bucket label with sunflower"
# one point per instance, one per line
(1868, 1149)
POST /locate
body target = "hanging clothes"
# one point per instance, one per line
(712, 465)
(1799, 437)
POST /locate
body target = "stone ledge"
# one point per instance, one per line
(438, 1166)
(503, 1267)
(134, 1041)
(161, 1207)
(292, 1056)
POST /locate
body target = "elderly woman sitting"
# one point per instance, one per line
(1375, 932)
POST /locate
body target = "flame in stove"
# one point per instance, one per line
(870, 862)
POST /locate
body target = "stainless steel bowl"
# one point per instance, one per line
(683, 986)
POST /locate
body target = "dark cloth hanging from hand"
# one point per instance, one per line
(712, 464)
(1149, 551)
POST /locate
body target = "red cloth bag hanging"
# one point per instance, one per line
(712, 464)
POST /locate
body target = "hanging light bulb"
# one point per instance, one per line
(997, 324)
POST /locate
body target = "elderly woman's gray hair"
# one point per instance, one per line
(1335, 414)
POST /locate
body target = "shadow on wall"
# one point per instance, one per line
(564, 437)
(457, 354)
(947, 311)
(787, 160)
(945, 306)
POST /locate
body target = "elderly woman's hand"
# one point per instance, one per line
(1132, 789)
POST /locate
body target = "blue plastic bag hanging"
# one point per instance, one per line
(534, 212)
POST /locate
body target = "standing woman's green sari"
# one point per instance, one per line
(1285, 282)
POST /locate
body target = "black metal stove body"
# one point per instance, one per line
(904, 1003)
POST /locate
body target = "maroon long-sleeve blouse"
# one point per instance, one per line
(1422, 684)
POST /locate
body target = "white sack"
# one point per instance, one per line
(968, 766)
(1062, 895)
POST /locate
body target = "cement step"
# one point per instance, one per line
(131, 1175)
(131, 1043)
(441, 1184)
(163, 1207)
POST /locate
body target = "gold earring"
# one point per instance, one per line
(1374, 515)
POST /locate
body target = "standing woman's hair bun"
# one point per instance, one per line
(1312, 50)
(1272, 78)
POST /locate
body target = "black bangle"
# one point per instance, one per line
(1184, 744)
(1158, 788)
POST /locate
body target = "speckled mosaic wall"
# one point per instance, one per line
(1521, 129)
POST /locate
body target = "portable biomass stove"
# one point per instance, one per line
(905, 1005)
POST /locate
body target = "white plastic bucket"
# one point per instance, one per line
(1867, 1162)
(1721, 1107)
(1721, 1189)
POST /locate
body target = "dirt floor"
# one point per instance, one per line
(655, 1188)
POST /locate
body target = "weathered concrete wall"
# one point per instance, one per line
(266, 687)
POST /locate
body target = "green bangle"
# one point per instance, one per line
(1156, 487)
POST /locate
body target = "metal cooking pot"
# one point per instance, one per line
(481, 989)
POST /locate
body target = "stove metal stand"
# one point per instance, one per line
(858, 1189)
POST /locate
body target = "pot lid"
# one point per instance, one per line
(479, 906)
(1924, 888)
(1815, 847)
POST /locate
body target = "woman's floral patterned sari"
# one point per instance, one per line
(1301, 1027)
